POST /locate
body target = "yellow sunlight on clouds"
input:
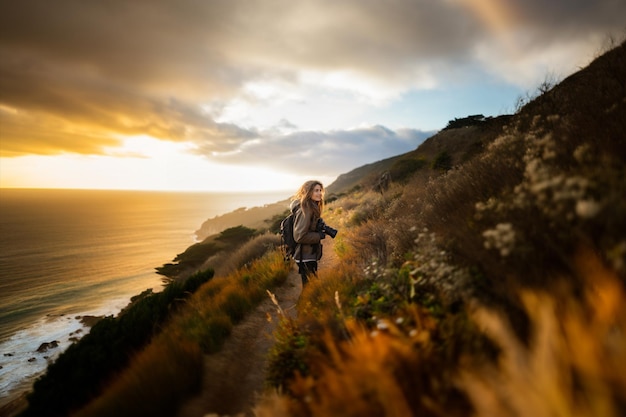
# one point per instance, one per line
(142, 163)
(493, 13)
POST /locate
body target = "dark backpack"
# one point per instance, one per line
(287, 240)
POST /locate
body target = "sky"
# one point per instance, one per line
(254, 95)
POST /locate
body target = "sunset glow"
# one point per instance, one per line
(177, 171)
(197, 99)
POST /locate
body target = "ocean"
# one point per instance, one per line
(65, 254)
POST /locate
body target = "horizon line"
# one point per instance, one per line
(238, 191)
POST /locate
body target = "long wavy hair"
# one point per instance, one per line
(304, 196)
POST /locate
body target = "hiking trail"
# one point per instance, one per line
(234, 377)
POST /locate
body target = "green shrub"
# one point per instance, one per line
(236, 305)
(193, 256)
(216, 329)
(236, 235)
(401, 170)
(79, 372)
(442, 162)
(274, 222)
(288, 357)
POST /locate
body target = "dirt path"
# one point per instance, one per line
(234, 377)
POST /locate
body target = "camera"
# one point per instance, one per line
(326, 229)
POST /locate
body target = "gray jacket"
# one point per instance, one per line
(304, 233)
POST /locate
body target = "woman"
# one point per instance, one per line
(308, 204)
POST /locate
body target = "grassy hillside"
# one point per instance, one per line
(485, 279)
(490, 285)
(455, 144)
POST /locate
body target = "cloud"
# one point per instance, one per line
(319, 153)
(76, 76)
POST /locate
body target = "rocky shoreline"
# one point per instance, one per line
(16, 400)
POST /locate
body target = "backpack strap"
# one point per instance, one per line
(294, 210)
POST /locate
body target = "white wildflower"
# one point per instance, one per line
(502, 238)
(382, 325)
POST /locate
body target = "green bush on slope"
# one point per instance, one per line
(195, 255)
(79, 372)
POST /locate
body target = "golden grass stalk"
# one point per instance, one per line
(576, 363)
(279, 309)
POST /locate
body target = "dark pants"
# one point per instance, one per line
(306, 269)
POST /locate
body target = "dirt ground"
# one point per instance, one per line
(234, 377)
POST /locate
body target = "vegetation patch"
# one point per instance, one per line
(79, 373)
(487, 289)
(199, 328)
(195, 255)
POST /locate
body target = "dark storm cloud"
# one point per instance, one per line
(76, 75)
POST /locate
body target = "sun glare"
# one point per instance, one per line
(144, 146)
(142, 163)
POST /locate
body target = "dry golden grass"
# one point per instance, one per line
(249, 251)
(170, 361)
(575, 365)
(381, 372)
(500, 231)
(170, 369)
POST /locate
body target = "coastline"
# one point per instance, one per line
(15, 400)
